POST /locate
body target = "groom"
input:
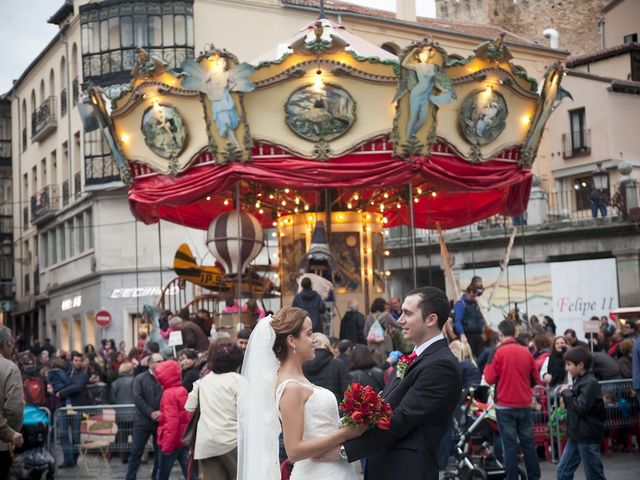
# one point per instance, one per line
(423, 400)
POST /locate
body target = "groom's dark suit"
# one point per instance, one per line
(423, 404)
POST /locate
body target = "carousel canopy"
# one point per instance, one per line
(327, 111)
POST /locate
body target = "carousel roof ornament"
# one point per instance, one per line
(327, 109)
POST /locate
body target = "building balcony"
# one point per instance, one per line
(44, 120)
(582, 149)
(45, 204)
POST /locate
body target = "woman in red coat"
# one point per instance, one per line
(173, 419)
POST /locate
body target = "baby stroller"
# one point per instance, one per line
(34, 459)
(475, 430)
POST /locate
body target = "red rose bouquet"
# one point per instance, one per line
(363, 406)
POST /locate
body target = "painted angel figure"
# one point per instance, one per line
(217, 81)
(422, 77)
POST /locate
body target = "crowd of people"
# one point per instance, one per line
(201, 384)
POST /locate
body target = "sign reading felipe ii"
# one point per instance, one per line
(103, 318)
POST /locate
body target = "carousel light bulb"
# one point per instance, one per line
(340, 217)
(525, 120)
(349, 206)
(386, 195)
(295, 210)
(385, 220)
(398, 205)
(284, 203)
(306, 208)
(279, 214)
(434, 194)
(274, 234)
(356, 197)
(226, 202)
(382, 207)
(386, 253)
(368, 216)
(275, 224)
(208, 198)
(271, 196)
(419, 191)
(258, 204)
(387, 273)
(124, 138)
(310, 217)
(261, 211)
(297, 201)
(318, 84)
(259, 195)
(372, 202)
(286, 190)
(416, 200)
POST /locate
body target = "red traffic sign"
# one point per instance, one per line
(103, 318)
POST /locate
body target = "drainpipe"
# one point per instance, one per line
(70, 145)
(20, 207)
(553, 35)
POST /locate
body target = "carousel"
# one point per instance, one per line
(324, 141)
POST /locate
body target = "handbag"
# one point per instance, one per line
(189, 435)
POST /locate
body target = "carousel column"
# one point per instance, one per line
(412, 227)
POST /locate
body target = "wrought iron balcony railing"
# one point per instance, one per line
(579, 148)
(44, 120)
(44, 203)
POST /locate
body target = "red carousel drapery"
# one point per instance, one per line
(465, 192)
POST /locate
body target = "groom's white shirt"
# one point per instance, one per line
(421, 348)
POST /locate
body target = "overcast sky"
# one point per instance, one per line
(24, 31)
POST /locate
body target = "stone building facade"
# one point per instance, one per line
(576, 21)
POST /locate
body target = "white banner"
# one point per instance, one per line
(582, 289)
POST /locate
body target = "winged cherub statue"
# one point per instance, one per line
(216, 79)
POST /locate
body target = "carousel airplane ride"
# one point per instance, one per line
(328, 142)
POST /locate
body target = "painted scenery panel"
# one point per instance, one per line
(164, 130)
(346, 250)
(292, 251)
(320, 112)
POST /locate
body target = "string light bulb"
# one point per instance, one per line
(226, 202)
(386, 195)
(356, 197)
(208, 198)
(306, 208)
(419, 191)
(349, 206)
(434, 194)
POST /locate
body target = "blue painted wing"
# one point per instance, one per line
(195, 76)
(239, 78)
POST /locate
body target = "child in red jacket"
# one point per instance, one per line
(173, 419)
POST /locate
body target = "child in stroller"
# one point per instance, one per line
(34, 459)
(476, 436)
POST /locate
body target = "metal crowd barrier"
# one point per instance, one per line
(99, 429)
(622, 420)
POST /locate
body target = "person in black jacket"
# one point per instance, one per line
(146, 397)
(190, 373)
(325, 370)
(363, 369)
(121, 393)
(309, 300)
(423, 396)
(70, 420)
(352, 324)
(585, 418)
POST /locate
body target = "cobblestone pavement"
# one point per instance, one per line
(618, 466)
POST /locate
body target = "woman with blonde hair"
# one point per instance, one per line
(276, 387)
(470, 373)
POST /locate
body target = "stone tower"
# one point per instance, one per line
(576, 21)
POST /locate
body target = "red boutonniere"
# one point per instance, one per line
(403, 364)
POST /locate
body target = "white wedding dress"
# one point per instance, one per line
(321, 418)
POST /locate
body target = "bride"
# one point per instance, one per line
(276, 390)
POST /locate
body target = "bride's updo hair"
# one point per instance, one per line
(288, 321)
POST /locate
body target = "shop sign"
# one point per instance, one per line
(136, 292)
(70, 303)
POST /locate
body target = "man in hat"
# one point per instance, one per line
(11, 395)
